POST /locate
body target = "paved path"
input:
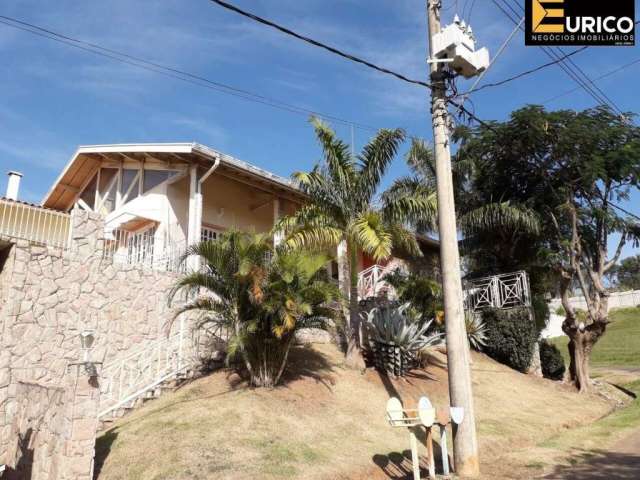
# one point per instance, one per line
(620, 462)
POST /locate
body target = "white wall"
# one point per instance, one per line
(630, 298)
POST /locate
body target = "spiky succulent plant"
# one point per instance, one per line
(401, 327)
(476, 331)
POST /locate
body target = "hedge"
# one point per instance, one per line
(511, 336)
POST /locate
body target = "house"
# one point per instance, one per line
(96, 260)
(158, 198)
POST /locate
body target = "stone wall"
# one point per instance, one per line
(53, 430)
(49, 296)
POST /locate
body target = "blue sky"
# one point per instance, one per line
(54, 98)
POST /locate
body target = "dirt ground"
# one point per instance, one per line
(327, 422)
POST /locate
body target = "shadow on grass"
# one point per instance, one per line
(103, 448)
(397, 465)
(599, 465)
(306, 362)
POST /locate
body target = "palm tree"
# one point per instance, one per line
(260, 294)
(344, 211)
(475, 215)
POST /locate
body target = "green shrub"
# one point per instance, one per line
(511, 336)
(551, 360)
(561, 311)
(540, 311)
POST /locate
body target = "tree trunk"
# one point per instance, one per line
(354, 348)
(285, 357)
(348, 283)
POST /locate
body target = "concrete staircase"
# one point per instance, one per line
(143, 375)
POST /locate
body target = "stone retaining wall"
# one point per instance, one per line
(52, 433)
(48, 296)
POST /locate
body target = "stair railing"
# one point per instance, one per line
(126, 379)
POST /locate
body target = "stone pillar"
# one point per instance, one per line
(83, 399)
(87, 234)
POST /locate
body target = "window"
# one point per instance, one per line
(153, 178)
(130, 181)
(208, 233)
(88, 195)
(107, 189)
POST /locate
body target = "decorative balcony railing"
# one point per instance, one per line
(507, 290)
(144, 249)
(371, 282)
(22, 221)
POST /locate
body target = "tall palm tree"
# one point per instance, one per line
(475, 215)
(261, 295)
(345, 211)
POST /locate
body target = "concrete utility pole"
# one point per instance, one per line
(465, 444)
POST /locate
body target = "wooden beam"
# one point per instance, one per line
(69, 188)
(256, 206)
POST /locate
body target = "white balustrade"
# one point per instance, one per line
(36, 224)
(126, 379)
(371, 282)
(506, 290)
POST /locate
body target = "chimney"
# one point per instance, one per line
(13, 185)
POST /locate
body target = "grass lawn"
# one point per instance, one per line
(327, 422)
(620, 345)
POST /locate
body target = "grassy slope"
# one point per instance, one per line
(620, 346)
(615, 358)
(327, 422)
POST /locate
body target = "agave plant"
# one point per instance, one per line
(476, 331)
(400, 327)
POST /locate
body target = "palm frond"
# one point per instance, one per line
(375, 159)
(502, 215)
(337, 154)
(314, 238)
(371, 235)
(421, 161)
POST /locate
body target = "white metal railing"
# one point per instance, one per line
(36, 224)
(143, 248)
(126, 379)
(371, 282)
(507, 290)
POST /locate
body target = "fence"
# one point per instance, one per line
(35, 224)
(507, 290)
(145, 249)
(371, 281)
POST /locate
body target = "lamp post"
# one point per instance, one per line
(87, 339)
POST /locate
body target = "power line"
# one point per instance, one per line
(557, 59)
(172, 72)
(336, 51)
(525, 73)
(188, 77)
(604, 75)
(493, 60)
(585, 78)
(553, 55)
(316, 43)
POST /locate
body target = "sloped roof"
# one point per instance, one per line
(86, 160)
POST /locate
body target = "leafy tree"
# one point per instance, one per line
(260, 294)
(572, 169)
(627, 273)
(345, 211)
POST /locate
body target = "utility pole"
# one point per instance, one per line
(465, 444)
